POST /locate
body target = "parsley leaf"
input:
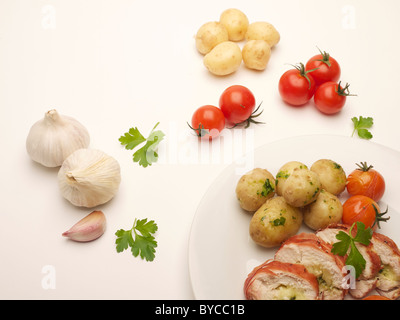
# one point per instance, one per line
(147, 154)
(340, 248)
(356, 259)
(132, 138)
(146, 228)
(361, 125)
(124, 240)
(347, 242)
(144, 246)
(139, 238)
(363, 235)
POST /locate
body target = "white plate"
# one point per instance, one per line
(221, 253)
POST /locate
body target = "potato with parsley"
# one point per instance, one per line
(236, 22)
(331, 175)
(284, 173)
(327, 209)
(301, 188)
(262, 30)
(209, 35)
(256, 54)
(224, 59)
(254, 188)
(274, 222)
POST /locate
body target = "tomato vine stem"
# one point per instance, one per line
(302, 70)
(379, 216)
(201, 131)
(363, 166)
(344, 91)
(250, 120)
(325, 57)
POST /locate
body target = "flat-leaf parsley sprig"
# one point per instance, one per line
(346, 241)
(147, 154)
(139, 239)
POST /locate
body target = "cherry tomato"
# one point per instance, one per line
(363, 209)
(375, 297)
(296, 86)
(208, 121)
(326, 68)
(330, 97)
(237, 103)
(366, 181)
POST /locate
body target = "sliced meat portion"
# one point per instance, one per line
(368, 279)
(389, 276)
(275, 280)
(315, 254)
(362, 287)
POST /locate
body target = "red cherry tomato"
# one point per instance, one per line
(326, 68)
(208, 122)
(366, 181)
(330, 97)
(296, 86)
(237, 103)
(363, 209)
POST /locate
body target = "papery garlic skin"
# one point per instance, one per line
(52, 139)
(89, 178)
(87, 229)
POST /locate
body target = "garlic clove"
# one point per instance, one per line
(87, 229)
(52, 139)
(89, 177)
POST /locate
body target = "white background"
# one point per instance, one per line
(117, 64)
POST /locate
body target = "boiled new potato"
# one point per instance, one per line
(331, 175)
(254, 188)
(209, 35)
(274, 222)
(262, 30)
(224, 59)
(301, 188)
(236, 22)
(284, 173)
(327, 209)
(256, 54)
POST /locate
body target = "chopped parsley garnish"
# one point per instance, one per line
(267, 188)
(278, 222)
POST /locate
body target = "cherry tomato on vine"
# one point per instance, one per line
(363, 209)
(237, 104)
(297, 86)
(325, 68)
(208, 121)
(366, 181)
(330, 97)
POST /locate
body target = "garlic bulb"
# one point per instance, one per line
(89, 178)
(52, 139)
(88, 228)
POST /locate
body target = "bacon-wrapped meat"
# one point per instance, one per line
(367, 281)
(275, 280)
(315, 254)
(389, 276)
